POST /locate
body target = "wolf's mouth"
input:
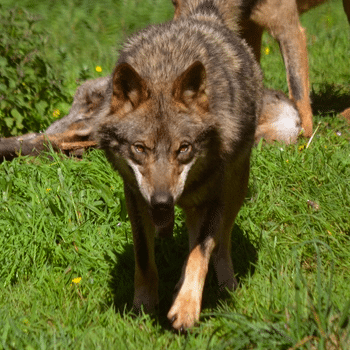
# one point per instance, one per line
(162, 210)
(162, 217)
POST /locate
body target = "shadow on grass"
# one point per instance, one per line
(170, 256)
(330, 99)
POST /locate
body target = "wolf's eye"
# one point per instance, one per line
(139, 148)
(185, 148)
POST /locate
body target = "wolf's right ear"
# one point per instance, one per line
(128, 88)
(190, 87)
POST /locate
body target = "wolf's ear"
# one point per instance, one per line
(190, 87)
(129, 89)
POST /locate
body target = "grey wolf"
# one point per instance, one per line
(71, 134)
(281, 19)
(179, 125)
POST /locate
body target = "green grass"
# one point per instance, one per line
(85, 34)
(64, 218)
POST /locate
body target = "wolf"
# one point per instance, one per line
(281, 19)
(71, 134)
(178, 125)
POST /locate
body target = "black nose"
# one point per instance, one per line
(162, 210)
(162, 201)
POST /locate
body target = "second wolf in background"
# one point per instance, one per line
(281, 19)
(179, 125)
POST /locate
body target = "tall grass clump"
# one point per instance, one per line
(30, 88)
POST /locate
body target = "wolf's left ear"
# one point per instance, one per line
(128, 87)
(190, 87)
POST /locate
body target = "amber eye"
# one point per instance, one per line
(139, 148)
(185, 148)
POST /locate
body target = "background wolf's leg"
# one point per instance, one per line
(146, 275)
(252, 32)
(28, 144)
(346, 4)
(294, 53)
(281, 20)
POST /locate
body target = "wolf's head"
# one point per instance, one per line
(157, 136)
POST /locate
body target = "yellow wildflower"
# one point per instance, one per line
(48, 190)
(267, 50)
(301, 147)
(98, 69)
(56, 113)
(76, 280)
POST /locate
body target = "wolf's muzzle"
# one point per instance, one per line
(162, 209)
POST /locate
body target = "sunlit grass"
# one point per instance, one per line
(66, 255)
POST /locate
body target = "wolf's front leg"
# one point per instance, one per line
(203, 226)
(146, 275)
(210, 232)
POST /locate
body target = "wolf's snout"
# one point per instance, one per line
(162, 201)
(162, 209)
